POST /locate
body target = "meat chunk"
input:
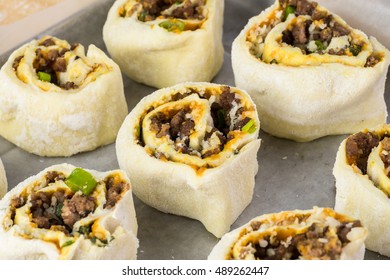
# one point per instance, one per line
(358, 147)
(305, 7)
(300, 32)
(226, 98)
(340, 30)
(371, 61)
(176, 123)
(59, 65)
(48, 42)
(76, 208)
(115, 190)
(16, 62)
(186, 128)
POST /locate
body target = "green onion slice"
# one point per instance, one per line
(249, 127)
(320, 45)
(44, 76)
(81, 180)
(355, 49)
(289, 10)
(67, 243)
(173, 25)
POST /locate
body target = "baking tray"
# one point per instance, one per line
(291, 175)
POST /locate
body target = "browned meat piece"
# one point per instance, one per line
(164, 130)
(40, 200)
(17, 202)
(339, 52)
(343, 230)
(48, 42)
(326, 35)
(371, 61)
(287, 37)
(305, 7)
(318, 15)
(52, 55)
(340, 30)
(186, 128)
(300, 32)
(16, 62)
(114, 191)
(76, 208)
(53, 176)
(152, 7)
(386, 157)
(226, 98)
(358, 147)
(69, 85)
(176, 123)
(59, 65)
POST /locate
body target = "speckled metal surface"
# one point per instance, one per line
(291, 175)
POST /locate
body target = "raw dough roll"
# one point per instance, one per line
(3, 180)
(309, 73)
(66, 212)
(57, 101)
(191, 150)
(320, 233)
(164, 42)
(363, 185)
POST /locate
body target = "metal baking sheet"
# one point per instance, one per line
(291, 175)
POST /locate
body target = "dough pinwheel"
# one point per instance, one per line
(320, 233)
(362, 175)
(164, 42)
(191, 150)
(309, 72)
(55, 100)
(66, 212)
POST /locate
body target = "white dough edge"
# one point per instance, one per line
(158, 58)
(307, 102)
(216, 198)
(124, 246)
(3, 180)
(62, 123)
(357, 197)
(353, 251)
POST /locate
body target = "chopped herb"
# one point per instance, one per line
(112, 238)
(85, 230)
(289, 10)
(81, 180)
(320, 45)
(46, 77)
(58, 210)
(273, 61)
(173, 25)
(355, 49)
(249, 127)
(236, 151)
(142, 16)
(67, 243)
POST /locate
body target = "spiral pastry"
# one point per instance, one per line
(309, 72)
(66, 212)
(317, 234)
(164, 42)
(362, 172)
(191, 150)
(55, 100)
(3, 180)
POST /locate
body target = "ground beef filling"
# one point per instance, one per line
(358, 147)
(318, 242)
(149, 10)
(178, 127)
(385, 154)
(115, 190)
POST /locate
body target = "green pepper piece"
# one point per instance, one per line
(43, 76)
(142, 16)
(172, 25)
(67, 243)
(289, 10)
(355, 49)
(85, 230)
(320, 45)
(81, 180)
(58, 210)
(249, 127)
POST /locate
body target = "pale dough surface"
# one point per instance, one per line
(120, 220)
(153, 56)
(307, 102)
(215, 197)
(61, 123)
(3, 180)
(358, 197)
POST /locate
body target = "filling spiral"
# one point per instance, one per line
(173, 15)
(313, 30)
(61, 208)
(199, 127)
(319, 234)
(368, 153)
(54, 64)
